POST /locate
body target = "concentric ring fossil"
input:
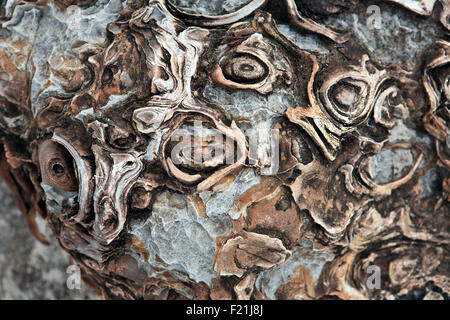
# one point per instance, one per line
(202, 152)
(143, 133)
(57, 167)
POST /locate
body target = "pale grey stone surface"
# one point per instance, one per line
(214, 7)
(382, 36)
(304, 41)
(313, 261)
(179, 236)
(29, 269)
(391, 165)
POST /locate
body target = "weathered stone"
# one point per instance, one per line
(233, 149)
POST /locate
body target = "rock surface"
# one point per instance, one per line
(233, 149)
(30, 270)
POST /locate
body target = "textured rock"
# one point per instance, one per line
(229, 149)
(395, 25)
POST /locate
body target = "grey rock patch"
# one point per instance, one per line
(29, 269)
(390, 165)
(250, 104)
(183, 239)
(402, 133)
(303, 41)
(397, 26)
(430, 183)
(222, 202)
(269, 281)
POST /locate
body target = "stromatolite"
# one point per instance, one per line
(253, 149)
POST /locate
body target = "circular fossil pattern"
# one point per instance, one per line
(57, 166)
(245, 69)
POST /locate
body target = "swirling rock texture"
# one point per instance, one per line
(333, 127)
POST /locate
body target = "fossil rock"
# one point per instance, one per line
(233, 149)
